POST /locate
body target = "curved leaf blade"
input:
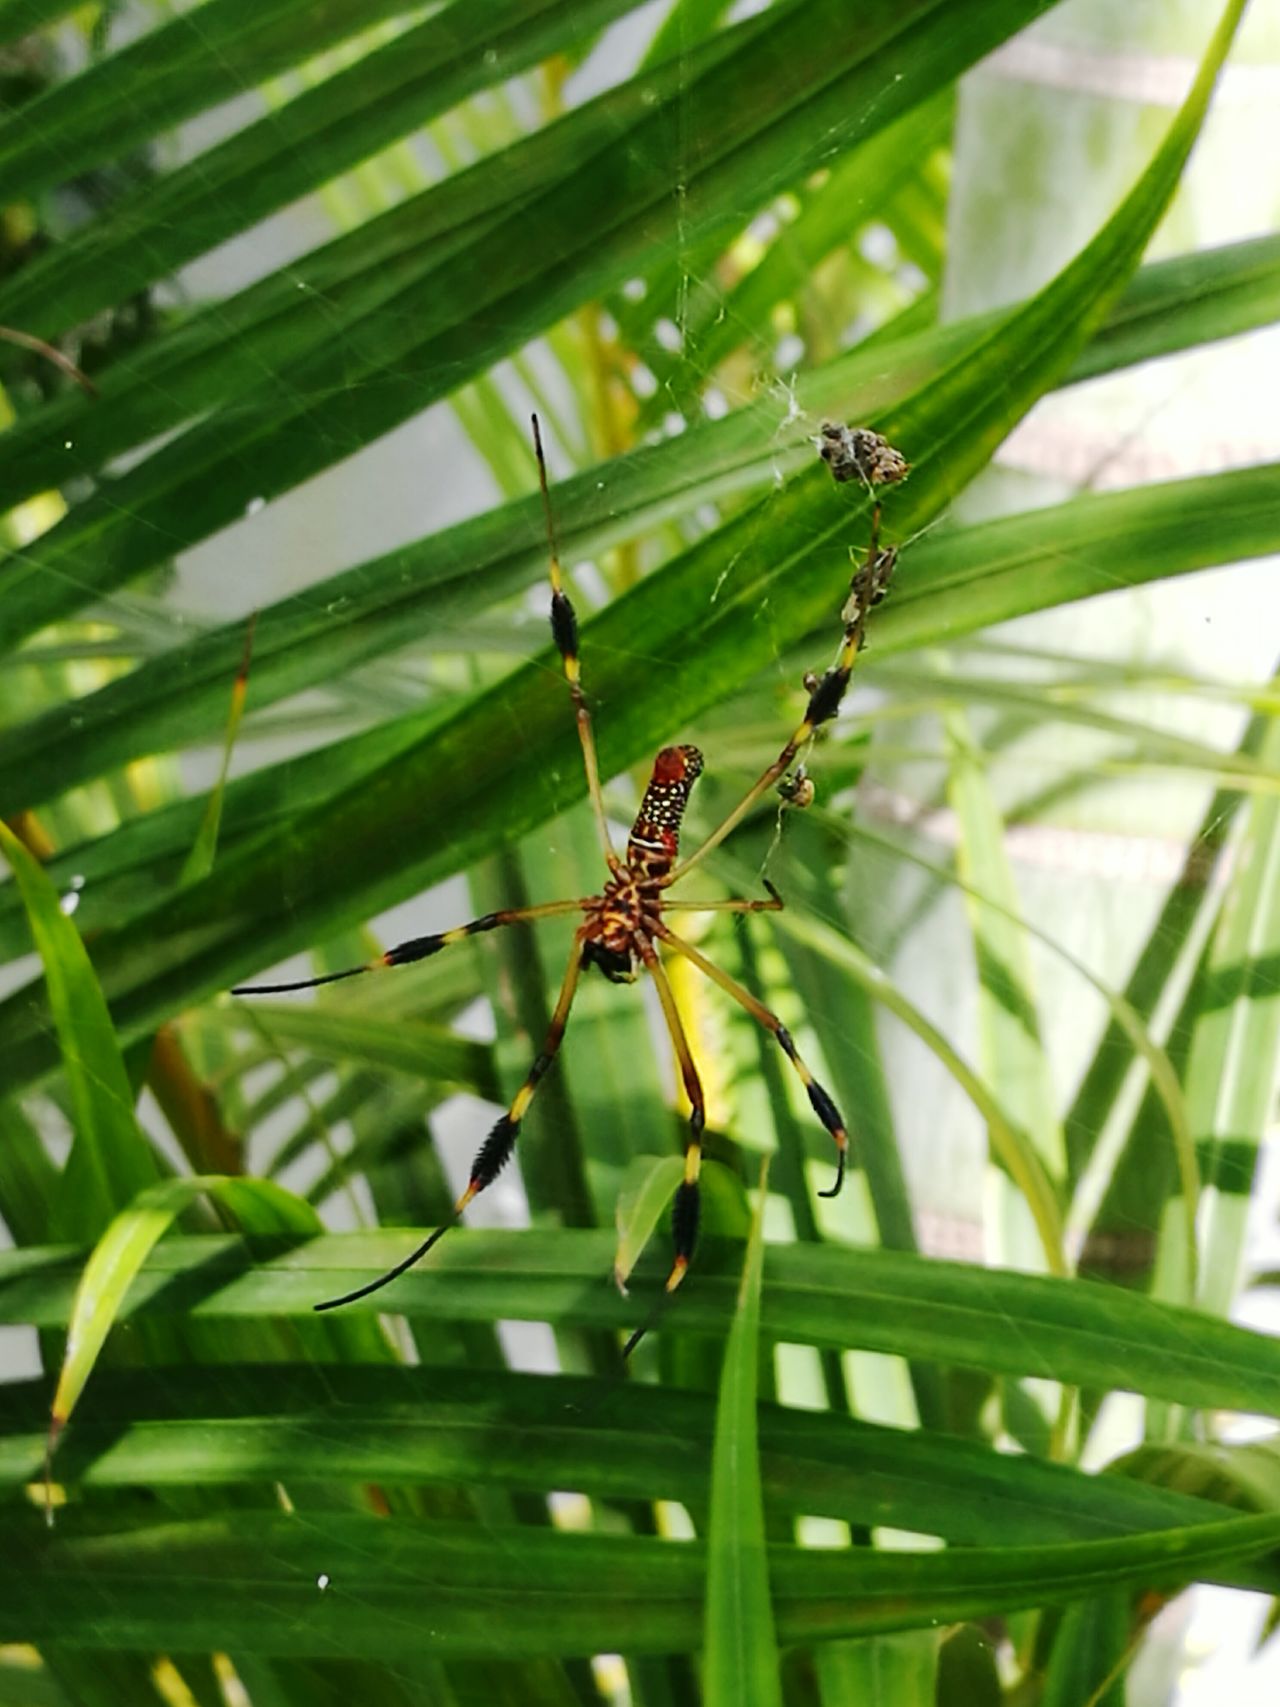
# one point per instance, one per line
(164, 76)
(258, 1205)
(319, 1583)
(648, 1186)
(611, 1441)
(1075, 1332)
(110, 1161)
(324, 131)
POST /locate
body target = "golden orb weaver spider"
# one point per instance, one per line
(623, 924)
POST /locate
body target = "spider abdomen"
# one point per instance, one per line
(655, 835)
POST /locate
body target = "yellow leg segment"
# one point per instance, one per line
(737, 905)
(819, 1099)
(564, 628)
(684, 1220)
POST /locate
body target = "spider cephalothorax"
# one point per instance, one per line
(621, 927)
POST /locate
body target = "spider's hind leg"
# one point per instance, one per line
(494, 1154)
(686, 1208)
(820, 1100)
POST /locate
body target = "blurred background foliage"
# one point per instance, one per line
(280, 284)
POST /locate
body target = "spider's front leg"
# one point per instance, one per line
(423, 947)
(852, 453)
(564, 630)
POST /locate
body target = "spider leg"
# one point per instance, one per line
(824, 700)
(422, 947)
(774, 904)
(684, 1214)
(821, 1102)
(564, 627)
(495, 1152)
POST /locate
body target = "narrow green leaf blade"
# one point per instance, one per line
(21, 17)
(1234, 1066)
(1012, 1043)
(884, 1671)
(205, 848)
(318, 1582)
(209, 54)
(647, 1188)
(337, 1032)
(221, 351)
(325, 130)
(359, 1423)
(1075, 1332)
(110, 1161)
(258, 1205)
(740, 1645)
(1088, 1654)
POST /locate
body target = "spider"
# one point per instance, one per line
(622, 926)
